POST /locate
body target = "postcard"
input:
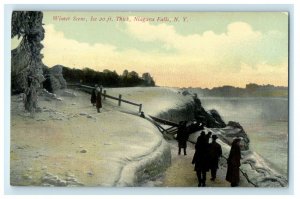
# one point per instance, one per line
(149, 99)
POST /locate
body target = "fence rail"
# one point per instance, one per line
(105, 95)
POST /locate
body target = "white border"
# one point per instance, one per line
(119, 5)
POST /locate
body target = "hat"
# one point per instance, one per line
(238, 139)
(214, 137)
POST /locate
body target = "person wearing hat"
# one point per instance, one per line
(201, 160)
(233, 163)
(182, 137)
(215, 152)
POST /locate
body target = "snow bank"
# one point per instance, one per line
(228, 133)
(259, 172)
(69, 144)
(145, 167)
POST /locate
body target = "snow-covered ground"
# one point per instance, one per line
(69, 144)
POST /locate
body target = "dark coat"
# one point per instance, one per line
(182, 136)
(233, 164)
(93, 96)
(99, 100)
(215, 152)
(200, 158)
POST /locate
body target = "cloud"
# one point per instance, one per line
(205, 60)
(69, 52)
(239, 44)
(237, 33)
(58, 49)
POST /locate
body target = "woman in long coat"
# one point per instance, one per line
(98, 99)
(93, 97)
(233, 163)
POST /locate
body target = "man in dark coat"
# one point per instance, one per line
(233, 163)
(200, 159)
(98, 99)
(182, 137)
(215, 152)
(93, 96)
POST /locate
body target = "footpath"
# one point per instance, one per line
(181, 172)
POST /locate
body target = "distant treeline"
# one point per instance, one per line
(251, 90)
(107, 78)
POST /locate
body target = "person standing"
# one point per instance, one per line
(233, 163)
(200, 159)
(182, 137)
(98, 98)
(215, 152)
(93, 96)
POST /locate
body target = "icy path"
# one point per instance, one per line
(181, 172)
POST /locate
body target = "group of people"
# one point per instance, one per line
(96, 99)
(207, 155)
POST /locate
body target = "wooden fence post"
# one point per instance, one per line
(140, 109)
(120, 97)
(104, 94)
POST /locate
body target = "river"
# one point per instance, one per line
(264, 119)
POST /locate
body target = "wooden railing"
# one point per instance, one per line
(89, 89)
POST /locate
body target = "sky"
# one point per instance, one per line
(179, 49)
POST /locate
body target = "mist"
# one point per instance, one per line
(248, 109)
(265, 120)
